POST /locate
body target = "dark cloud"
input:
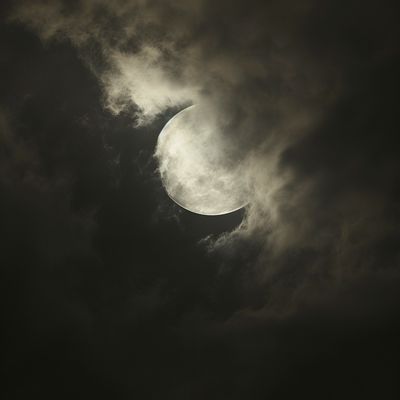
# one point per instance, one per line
(109, 290)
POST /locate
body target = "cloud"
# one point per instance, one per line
(290, 88)
(301, 296)
(138, 79)
(122, 43)
(156, 56)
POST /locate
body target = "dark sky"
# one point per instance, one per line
(111, 291)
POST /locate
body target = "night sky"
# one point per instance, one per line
(110, 290)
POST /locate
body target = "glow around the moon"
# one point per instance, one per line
(196, 169)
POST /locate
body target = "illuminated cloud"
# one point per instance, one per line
(260, 78)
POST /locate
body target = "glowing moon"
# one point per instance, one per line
(195, 166)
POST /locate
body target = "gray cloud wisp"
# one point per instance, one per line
(276, 79)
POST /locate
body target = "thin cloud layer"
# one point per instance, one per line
(279, 78)
(106, 291)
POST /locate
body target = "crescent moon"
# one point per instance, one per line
(195, 168)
